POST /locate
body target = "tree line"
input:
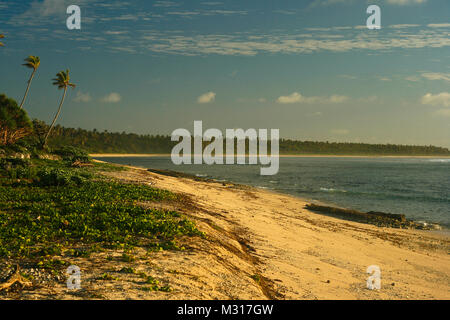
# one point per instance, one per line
(96, 141)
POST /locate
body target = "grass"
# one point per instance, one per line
(48, 208)
(256, 278)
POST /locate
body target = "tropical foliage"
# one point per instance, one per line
(57, 208)
(95, 141)
(62, 81)
(14, 122)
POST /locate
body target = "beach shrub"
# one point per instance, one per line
(14, 122)
(61, 177)
(56, 214)
(73, 154)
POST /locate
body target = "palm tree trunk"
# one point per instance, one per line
(28, 88)
(56, 117)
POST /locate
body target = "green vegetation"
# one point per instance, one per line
(256, 277)
(62, 81)
(107, 142)
(48, 208)
(107, 276)
(154, 284)
(14, 122)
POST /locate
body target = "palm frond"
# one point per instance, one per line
(32, 62)
(62, 80)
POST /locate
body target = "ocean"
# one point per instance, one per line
(416, 187)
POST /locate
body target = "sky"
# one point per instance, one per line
(309, 68)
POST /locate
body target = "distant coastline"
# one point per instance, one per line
(126, 155)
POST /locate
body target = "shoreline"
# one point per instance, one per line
(299, 254)
(143, 155)
(429, 226)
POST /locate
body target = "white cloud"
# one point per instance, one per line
(405, 2)
(436, 76)
(113, 97)
(441, 99)
(82, 97)
(298, 98)
(293, 98)
(323, 3)
(412, 78)
(166, 4)
(115, 33)
(207, 97)
(43, 12)
(251, 45)
(404, 26)
(338, 99)
(439, 25)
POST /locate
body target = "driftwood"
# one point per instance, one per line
(16, 278)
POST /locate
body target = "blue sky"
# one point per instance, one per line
(309, 68)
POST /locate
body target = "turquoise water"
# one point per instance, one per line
(418, 188)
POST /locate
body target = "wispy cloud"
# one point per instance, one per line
(441, 99)
(436, 76)
(166, 4)
(324, 3)
(113, 97)
(82, 97)
(44, 12)
(253, 44)
(207, 97)
(299, 98)
(405, 2)
(439, 25)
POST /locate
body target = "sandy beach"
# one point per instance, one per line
(264, 245)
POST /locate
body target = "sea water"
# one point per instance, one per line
(416, 187)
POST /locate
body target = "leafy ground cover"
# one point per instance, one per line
(48, 208)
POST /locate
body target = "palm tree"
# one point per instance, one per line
(1, 37)
(62, 80)
(31, 62)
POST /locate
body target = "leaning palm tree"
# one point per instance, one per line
(1, 37)
(31, 62)
(62, 80)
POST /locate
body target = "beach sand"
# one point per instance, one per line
(298, 253)
(264, 245)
